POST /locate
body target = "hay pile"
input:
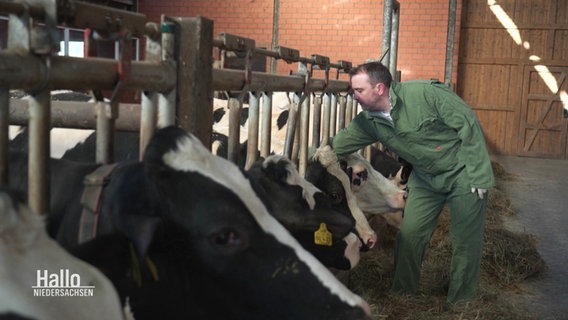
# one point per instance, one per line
(508, 259)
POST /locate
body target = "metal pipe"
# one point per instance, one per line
(333, 115)
(387, 28)
(316, 123)
(27, 72)
(450, 42)
(342, 112)
(77, 115)
(39, 146)
(304, 136)
(348, 110)
(266, 124)
(275, 31)
(393, 52)
(104, 133)
(326, 119)
(235, 107)
(231, 79)
(291, 127)
(253, 124)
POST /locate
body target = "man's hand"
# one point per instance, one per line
(480, 192)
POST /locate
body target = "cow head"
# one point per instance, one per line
(305, 211)
(325, 172)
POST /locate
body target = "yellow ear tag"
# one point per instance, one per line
(322, 236)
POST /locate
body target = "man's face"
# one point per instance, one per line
(368, 96)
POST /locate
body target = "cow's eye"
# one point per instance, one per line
(336, 198)
(226, 237)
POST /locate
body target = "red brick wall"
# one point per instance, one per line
(340, 29)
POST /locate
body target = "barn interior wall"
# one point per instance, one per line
(342, 30)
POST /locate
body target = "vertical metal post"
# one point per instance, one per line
(333, 115)
(275, 31)
(450, 42)
(326, 119)
(266, 124)
(342, 111)
(104, 133)
(349, 110)
(39, 146)
(387, 28)
(291, 127)
(194, 96)
(304, 136)
(393, 53)
(235, 107)
(316, 123)
(253, 125)
(391, 13)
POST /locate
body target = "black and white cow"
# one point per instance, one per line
(306, 211)
(28, 256)
(189, 237)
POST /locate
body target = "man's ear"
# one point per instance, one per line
(381, 88)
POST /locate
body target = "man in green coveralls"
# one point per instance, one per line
(432, 128)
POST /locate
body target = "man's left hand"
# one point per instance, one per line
(480, 192)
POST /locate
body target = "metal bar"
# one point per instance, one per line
(105, 134)
(81, 15)
(316, 123)
(326, 119)
(194, 94)
(26, 71)
(387, 28)
(231, 79)
(235, 106)
(393, 53)
(77, 115)
(253, 124)
(348, 110)
(333, 115)
(342, 112)
(450, 42)
(302, 143)
(266, 124)
(291, 127)
(275, 32)
(39, 146)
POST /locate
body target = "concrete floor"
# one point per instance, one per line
(539, 193)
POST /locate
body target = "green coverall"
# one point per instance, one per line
(436, 131)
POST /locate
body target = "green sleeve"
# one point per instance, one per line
(357, 135)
